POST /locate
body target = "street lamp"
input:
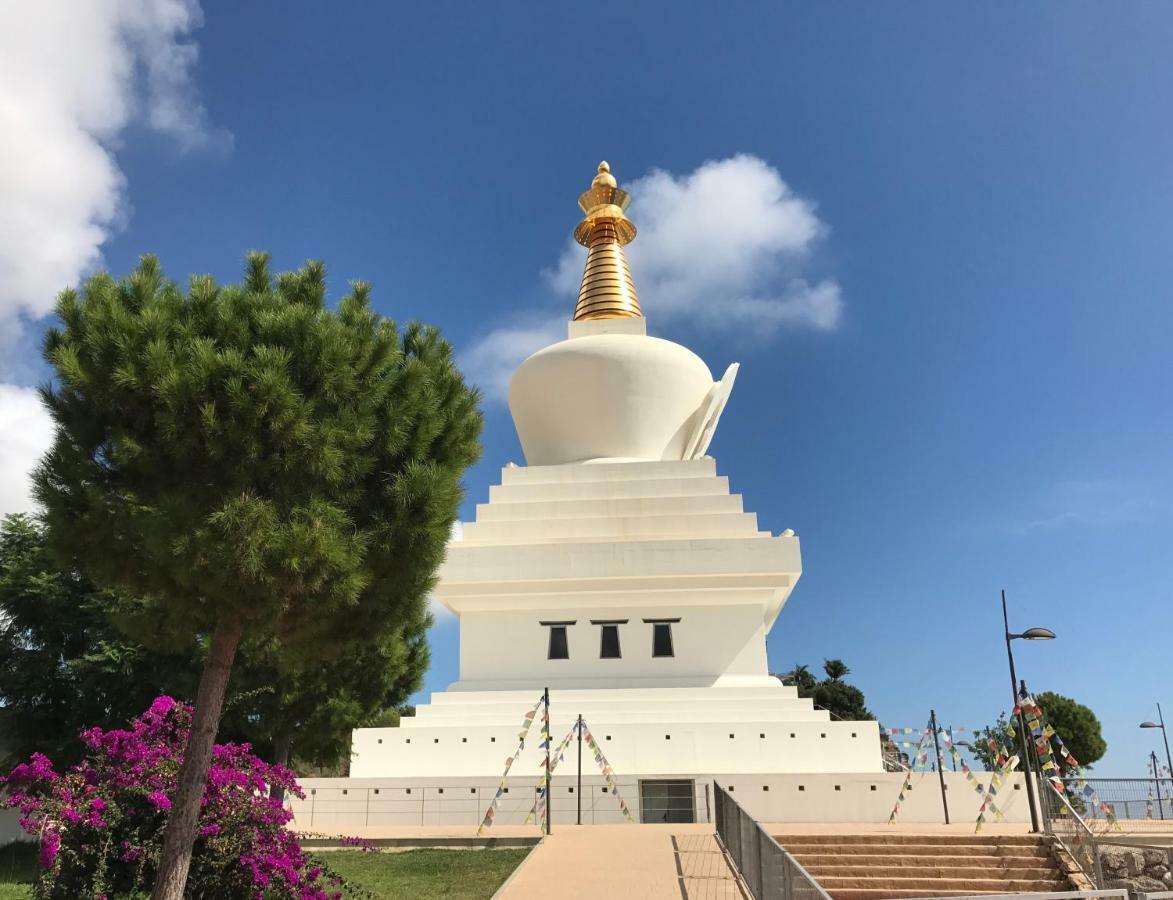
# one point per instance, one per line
(1031, 634)
(1164, 734)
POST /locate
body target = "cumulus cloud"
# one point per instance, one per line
(727, 245)
(491, 360)
(73, 76)
(26, 431)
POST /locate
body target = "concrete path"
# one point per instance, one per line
(640, 862)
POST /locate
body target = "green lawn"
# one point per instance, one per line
(18, 864)
(419, 874)
(427, 874)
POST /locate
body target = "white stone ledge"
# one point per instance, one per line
(644, 562)
(595, 490)
(619, 694)
(597, 472)
(545, 510)
(626, 527)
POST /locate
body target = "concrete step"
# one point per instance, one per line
(946, 873)
(890, 850)
(984, 840)
(878, 866)
(896, 894)
(989, 861)
(932, 887)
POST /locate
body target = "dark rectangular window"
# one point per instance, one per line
(662, 639)
(558, 646)
(609, 645)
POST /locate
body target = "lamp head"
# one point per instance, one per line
(1038, 634)
(1150, 725)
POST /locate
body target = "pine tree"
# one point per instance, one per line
(250, 463)
(66, 667)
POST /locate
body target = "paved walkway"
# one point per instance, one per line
(640, 862)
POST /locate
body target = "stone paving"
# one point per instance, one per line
(640, 862)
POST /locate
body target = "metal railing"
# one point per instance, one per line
(769, 872)
(1061, 820)
(1138, 804)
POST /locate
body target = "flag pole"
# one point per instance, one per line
(546, 730)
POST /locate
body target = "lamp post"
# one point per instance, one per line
(1031, 634)
(1160, 723)
(1157, 778)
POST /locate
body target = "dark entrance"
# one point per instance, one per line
(667, 801)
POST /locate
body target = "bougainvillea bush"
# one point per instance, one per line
(100, 824)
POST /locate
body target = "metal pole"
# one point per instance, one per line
(546, 735)
(1156, 772)
(940, 763)
(1023, 737)
(579, 788)
(1165, 735)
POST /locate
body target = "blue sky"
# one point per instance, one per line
(979, 397)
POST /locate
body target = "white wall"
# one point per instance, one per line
(512, 645)
(10, 829)
(769, 798)
(634, 748)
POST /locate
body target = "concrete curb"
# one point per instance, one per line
(500, 892)
(423, 842)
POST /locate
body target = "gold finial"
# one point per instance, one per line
(604, 178)
(607, 291)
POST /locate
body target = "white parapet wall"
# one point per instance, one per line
(372, 807)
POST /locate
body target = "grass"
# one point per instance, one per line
(427, 874)
(18, 865)
(419, 874)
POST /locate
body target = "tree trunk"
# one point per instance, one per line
(282, 750)
(197, 759)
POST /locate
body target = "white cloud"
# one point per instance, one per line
(728, 245)
(438, 610)
(73, 76)
(1089, 504)
(26, 431)
(491, 360)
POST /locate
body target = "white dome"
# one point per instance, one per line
(609, 397)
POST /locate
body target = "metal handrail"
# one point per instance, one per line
(766, 868)
(1083, 834)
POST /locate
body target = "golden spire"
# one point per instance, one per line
(607, 291)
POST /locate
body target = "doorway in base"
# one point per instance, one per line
(667, 800)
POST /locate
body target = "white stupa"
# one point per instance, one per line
(617, 569)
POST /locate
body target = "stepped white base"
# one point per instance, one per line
(761, 727)
(622, 545)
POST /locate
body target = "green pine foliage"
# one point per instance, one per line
(251, 465)
(1075, 724)
(65, 666)
(242, 450)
